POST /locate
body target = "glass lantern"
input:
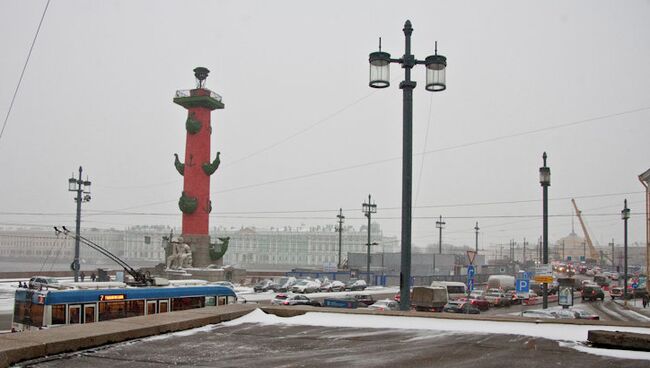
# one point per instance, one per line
(379, 69)
(436, 66)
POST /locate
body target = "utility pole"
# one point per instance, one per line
(368, 209)
(625, 215)
(562, 250)
(340, 230)
(584, 251)
(440, 224)
(80, 186)
(525, 244)
(545, 181)
(476, 229)
(612, 245)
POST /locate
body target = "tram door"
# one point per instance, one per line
(151, 307)
(74, 314)
(163, 306)
(89, 313)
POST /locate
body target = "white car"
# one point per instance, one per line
(385, 304)
(305, 286)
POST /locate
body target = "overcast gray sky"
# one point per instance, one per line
(302, 131)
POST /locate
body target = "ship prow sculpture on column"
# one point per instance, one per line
(193, 252)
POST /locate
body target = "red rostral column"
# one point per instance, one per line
(198, 167)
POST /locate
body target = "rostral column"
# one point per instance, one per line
(198, 167)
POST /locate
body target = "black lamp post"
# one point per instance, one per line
(368, 209)
(625, 215)
(81, 187)
(545, 181)
(435, 81)
(340, 230)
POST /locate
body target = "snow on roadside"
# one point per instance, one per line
(570, 335)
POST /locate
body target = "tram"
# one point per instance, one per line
(96, 302)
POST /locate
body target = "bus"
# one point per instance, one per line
(105, 301)
(455, 290)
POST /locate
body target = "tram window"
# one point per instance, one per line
(111, 310)
(75, 314)
(28, 313)
(134, 308)
(162, 308)
(187, 303)
(58, 314)
(222, 300)
(89, 313)
(209, 301)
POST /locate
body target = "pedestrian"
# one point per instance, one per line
(645, 300)
(83, 276)
(93, 277)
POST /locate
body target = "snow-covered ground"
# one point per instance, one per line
(573, 336)
(257, 297)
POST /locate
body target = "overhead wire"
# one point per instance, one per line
(22, 73)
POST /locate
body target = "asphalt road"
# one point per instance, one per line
(254, 345)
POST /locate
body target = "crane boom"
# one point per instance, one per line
(593, 254)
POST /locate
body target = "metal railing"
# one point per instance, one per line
(193, 92)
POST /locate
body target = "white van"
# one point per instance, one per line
(455, 289)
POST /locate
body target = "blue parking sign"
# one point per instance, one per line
(522, 286)
(470, 284)
(471, 271)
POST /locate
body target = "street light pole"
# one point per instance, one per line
(340, 230)
(625, 215)
(368, 209)
(435, 81)
(476, 229)
(545, 181)
(440, 224)
(81, 187)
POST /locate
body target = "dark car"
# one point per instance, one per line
(460, 307)
(297, 300)
(364, 300)
(592, 292)
(265, 285)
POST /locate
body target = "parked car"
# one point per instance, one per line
(479, 303)
(385, 304)
(355, 284)
(616, 292)
(285, 283)
(514, 298)
(279, 299)
(299, 300)
(497, 298)
(580, 314)
(305, 286)
(265, 285)
(457, 306)
(38, 282)
(476, 294)
(334, 285)
(364, 300)
(592, 292)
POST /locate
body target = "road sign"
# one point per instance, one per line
(471, 271)
(522, 286)
(543, 270)
(470, 284)
(566, 297)
(544, 279)
(635, 285)
(471, 254)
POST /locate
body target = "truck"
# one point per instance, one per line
(503, 282)
(429, 298)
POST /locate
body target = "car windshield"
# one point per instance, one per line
(303, 282)
(281, 296)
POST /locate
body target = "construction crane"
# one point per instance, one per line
(593, 253)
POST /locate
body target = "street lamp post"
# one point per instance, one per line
(368, 209)
(435, 81)
(340, 230)
(476, 229)
(545, 181)
(81, 187)
(625, 215)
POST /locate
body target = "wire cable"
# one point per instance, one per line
(20, 80)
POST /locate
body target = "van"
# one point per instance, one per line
(455, 290)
